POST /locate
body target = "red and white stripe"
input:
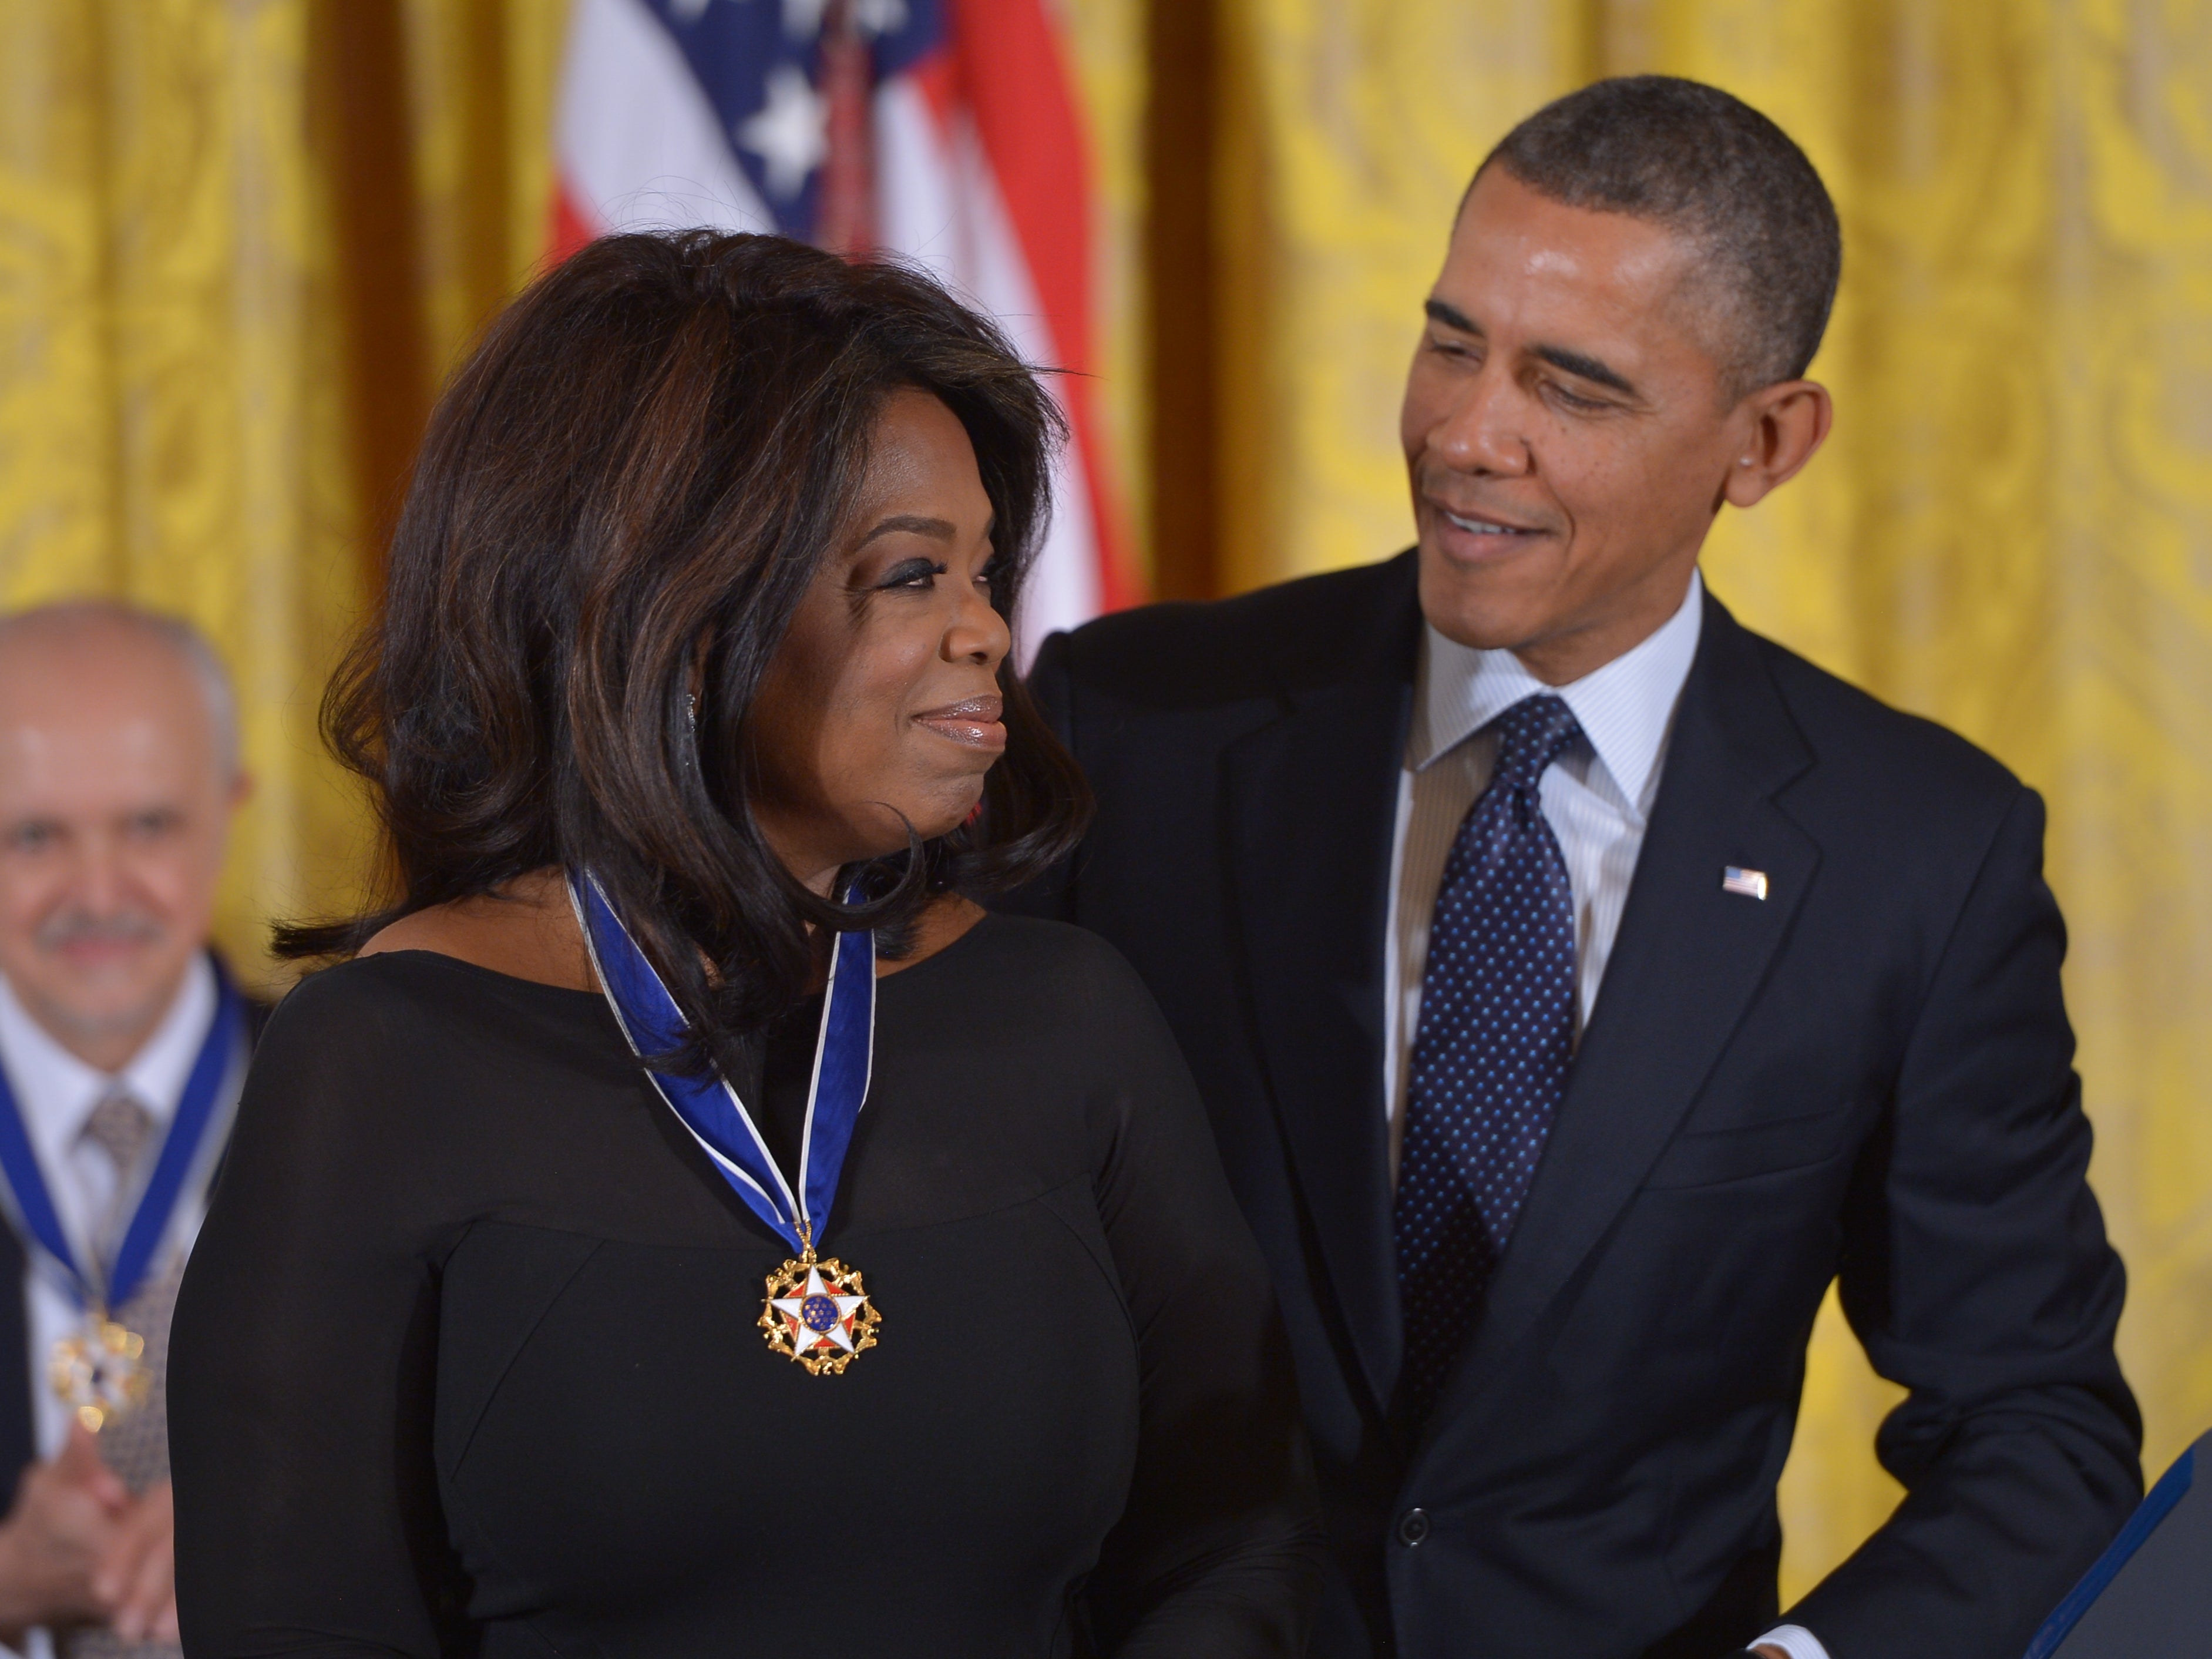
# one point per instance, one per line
(980, 173)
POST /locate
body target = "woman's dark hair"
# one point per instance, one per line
(632, 482)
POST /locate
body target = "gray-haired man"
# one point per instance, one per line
(121, 1050)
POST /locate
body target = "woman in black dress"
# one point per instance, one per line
(691, 692)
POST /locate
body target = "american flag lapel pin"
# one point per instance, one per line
(1751, 883)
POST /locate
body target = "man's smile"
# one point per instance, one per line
(1475, 526)
(1473, 534)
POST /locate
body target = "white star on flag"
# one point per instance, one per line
(793, 1308)
(790, 133)
(802, 19)
(878, 16)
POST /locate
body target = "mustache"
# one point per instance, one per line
(67, 927)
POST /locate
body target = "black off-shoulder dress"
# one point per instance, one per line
(466, 1359)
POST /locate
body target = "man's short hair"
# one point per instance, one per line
(1710, 168)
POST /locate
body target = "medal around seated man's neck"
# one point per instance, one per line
(99, 1371)
(816, 1309)
(102, 1370)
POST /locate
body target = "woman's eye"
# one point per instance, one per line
(913, 573)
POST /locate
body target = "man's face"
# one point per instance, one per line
(1568, 427)
(113, 809)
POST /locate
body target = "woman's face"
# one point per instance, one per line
(882, 707)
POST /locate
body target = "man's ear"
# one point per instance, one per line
(1789, 421)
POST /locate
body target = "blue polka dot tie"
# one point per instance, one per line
(1490, 1057)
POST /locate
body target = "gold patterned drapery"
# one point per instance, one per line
(242, 241)
(2011, 531)
(165, 401)
(239, 242)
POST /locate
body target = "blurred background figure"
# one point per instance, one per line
(122, 1046)
(241, 245)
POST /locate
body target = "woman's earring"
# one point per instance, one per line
(691, 714)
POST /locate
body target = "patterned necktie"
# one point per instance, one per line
(135, 1445)
(122, 1129)
(1490, 1057)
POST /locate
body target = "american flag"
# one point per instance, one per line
(946, 130)
(1745, 884)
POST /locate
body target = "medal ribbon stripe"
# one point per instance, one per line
(708, 1107)
(653, 1024)
(32, 1202)
(844, 1065)
(816, 1310)
(111, 1285)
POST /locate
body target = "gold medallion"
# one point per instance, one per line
(818, 1313)
(100, 1371)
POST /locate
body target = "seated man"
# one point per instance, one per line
(1581, 983)
(122, 1048)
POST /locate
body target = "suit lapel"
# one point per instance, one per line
(1312, 800)
(1687, 964)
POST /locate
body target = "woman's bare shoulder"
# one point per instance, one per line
(526, 931)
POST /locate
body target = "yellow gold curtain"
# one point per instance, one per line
(167, 417)
(2012, 531)
(240, 241)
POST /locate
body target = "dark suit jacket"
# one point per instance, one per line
(18, 1420)
(1868, 1075)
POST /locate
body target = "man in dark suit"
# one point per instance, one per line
(1580, 983)
(122, 1049)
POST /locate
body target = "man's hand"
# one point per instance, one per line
(66, 1517)
(137, 1578)
(77, 1548)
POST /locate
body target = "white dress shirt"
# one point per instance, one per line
(56, 1092)
(1597, 798)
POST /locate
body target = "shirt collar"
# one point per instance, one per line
(1625, 708)
(55, 1091)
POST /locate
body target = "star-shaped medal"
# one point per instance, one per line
(101, 1371)
(818, 1313)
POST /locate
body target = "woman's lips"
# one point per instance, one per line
(974, 722)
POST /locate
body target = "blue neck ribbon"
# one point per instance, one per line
(108, 1286)
(844, 1055)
